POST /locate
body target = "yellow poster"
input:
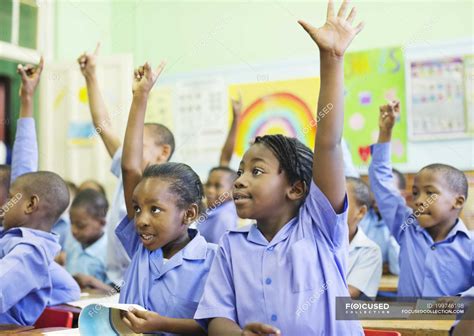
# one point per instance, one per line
(276, 107)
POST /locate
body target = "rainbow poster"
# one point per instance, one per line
(276, 107)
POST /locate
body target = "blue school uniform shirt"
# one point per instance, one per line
(65, 288)
(25, 277)
(90, 260)
(63, 229)
(364, 269)
(218, 221)
(427, 268)
(117, 258)
(172, 288)
(291, 282)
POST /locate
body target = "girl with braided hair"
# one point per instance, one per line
(286, 270)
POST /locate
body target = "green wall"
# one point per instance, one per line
(196, 35)
(8, 69)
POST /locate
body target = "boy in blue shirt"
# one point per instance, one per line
(86, 256)
(436, 248)
(27, 247)
(29, 278)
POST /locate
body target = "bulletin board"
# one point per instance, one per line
(372, 78)
(441, 98)
(276, 107)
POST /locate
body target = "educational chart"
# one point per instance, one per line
(277, 107)
(200, 127)
(437, 98)
(469, 90)
(371, 79)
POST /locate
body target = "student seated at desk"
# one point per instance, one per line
(86, 255)
(170, 262)
(364, 269)
(265, 276)
(28, 273)
(436, 248)
(28, 248)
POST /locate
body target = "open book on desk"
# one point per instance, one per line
(105, 319)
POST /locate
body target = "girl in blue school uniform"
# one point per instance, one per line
(169, 262)
(282, 275)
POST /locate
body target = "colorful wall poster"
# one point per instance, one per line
(371, 79)
(437, 98)
(276, 107)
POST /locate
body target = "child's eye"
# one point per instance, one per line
(155, 210)
(239, 173)
(257, 172)
(137, 209)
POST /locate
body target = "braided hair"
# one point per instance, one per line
(295, 158)
(184, 182)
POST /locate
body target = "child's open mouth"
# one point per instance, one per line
(146, 237)
(241, 198)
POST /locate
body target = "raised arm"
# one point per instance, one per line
(228, 149)
(25, 147)
(391, 204)
(144, 79)
(100, 114)
(332, 38)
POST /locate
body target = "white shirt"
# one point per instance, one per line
(365, 264)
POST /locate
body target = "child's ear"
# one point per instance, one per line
(297, 191)
(362, 212)
(102, 221)
(191, 214)
(165, 152)
(459, 201)
(32, 205)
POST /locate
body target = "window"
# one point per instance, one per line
(6, 15)
(19, 22)
(28, 24)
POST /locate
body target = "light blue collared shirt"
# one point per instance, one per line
(291, 282)
(219, 220)
(25, 149)
(173, 288)
(89, 260)
(63, 229)
(365, 264)
(25, 278)
(427, 268)
(117, 258)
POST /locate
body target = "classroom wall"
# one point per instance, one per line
(195, 35)
(247, 42)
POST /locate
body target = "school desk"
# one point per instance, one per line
(13, 328)
(412, 327)
(43, 331)
(388, 283)
(91, 294)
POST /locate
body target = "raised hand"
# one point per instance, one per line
(257, 329)
(87, 62)
(145, 77)
(337, 33)
(237, 107)
(388, 115)
(30, 77)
